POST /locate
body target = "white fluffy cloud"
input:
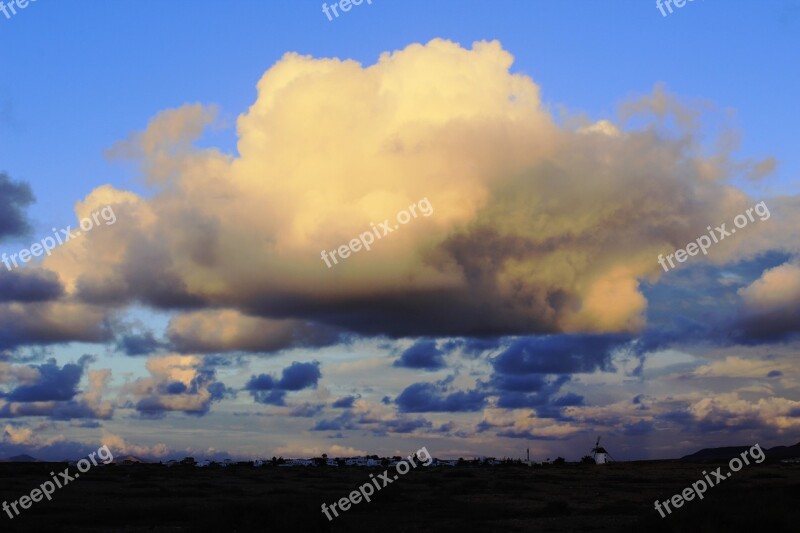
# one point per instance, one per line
(777, 288)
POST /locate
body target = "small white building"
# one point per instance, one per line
(298, 462)
(362, 461)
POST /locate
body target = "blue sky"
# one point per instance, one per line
(82, 80)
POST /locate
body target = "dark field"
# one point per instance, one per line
(615, 497)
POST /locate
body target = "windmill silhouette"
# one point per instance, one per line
(599, 454)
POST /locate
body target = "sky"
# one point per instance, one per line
(249, 229)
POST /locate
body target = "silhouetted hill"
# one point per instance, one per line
(784, 452)
(729, 452)
(129, 459)
(716, 454)
(24, 458)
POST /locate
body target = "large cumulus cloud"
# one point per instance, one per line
(538, 226)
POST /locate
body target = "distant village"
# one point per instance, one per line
(599, 455)
(788, 455)
(368, 461)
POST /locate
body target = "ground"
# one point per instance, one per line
(615, 497)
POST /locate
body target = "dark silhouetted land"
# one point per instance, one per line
(557, 498)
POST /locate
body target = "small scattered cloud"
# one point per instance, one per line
(267, 389)
(423, 355)
(15, 197)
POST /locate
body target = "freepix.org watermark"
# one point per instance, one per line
(366, 239)
(366, 490)
(660, 4)
(699, 487)
(47, 488)
(48, 244)
(12, 6)
(344, 5)
(704, 242)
